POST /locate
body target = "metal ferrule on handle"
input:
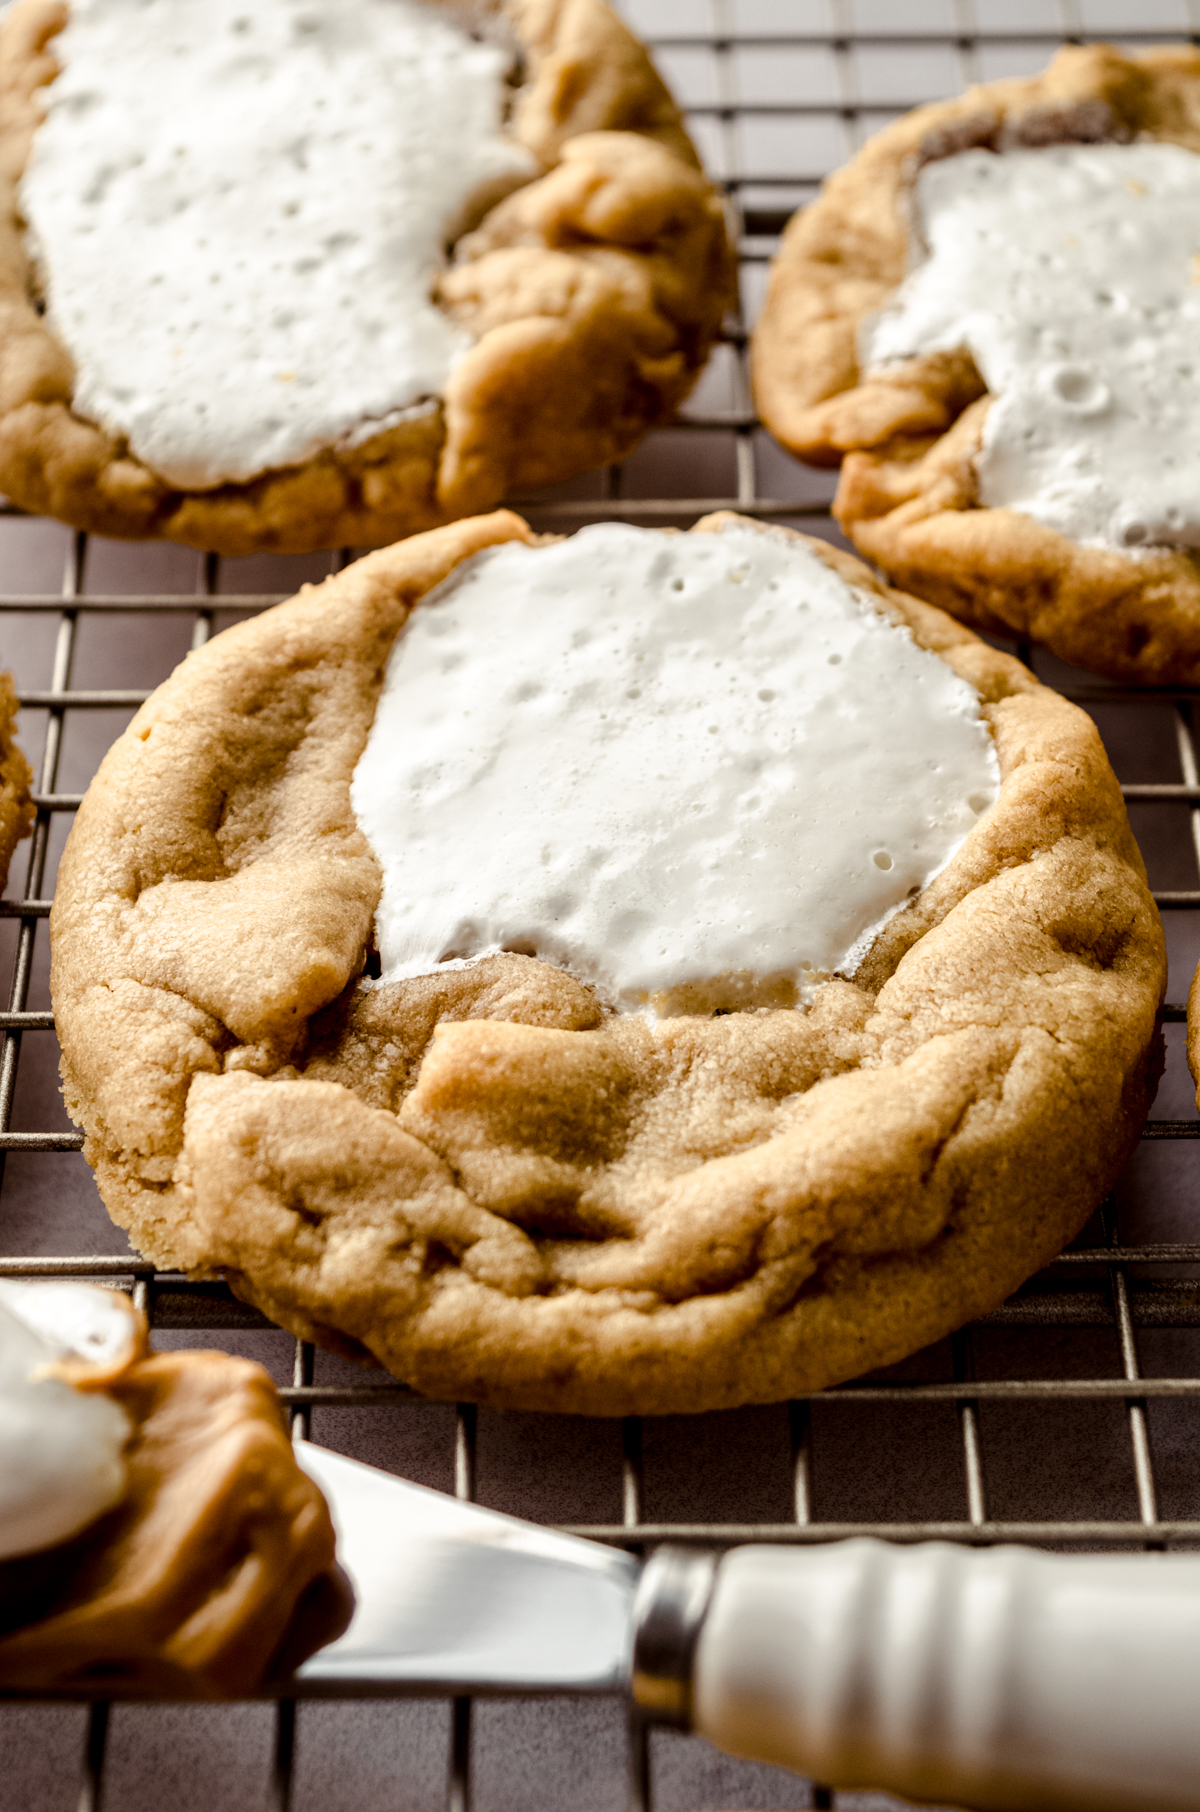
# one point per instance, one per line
(669, 1607)
(1000, 1678)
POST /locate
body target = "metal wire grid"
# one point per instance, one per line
(762, 199)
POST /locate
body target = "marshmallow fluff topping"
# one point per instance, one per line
(61, 1449)
(696, 771)
(1071, 274)
(239, 208)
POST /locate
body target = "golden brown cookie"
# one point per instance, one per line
(1193, 1031)
(16, 778)
(217, 1564)
(506, 1194)
(592, 294)
(909, 433)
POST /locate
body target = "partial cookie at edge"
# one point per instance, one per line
(909, 435)
(16, 778)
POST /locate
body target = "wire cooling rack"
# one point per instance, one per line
(1070, 1416)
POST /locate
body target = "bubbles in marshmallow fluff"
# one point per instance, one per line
(240, 208)
(693, 770)
(1071, 275)
(61, 1449)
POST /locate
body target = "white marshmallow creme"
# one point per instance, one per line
(239, 209)
(696, 771)
(61, 1449)
(1071, 275)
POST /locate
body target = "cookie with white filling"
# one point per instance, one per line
(287, 277)
(990, 314)
(157, 1538)
(624, 1117)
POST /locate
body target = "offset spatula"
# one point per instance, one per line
(999, 1677)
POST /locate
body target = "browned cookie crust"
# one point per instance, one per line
(16, 778)
(505, 1194)
(593, 294)
(908, 494)
(1193, 1031)
(191, 1585)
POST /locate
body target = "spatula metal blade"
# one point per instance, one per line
(452, 1598)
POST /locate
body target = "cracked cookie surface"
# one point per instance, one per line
(503, 1192)
(592, 295)
(909, 433)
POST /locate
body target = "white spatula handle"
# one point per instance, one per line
(999, 1677)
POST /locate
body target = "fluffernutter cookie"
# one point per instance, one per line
(294, 274)
(991, 315)
(636, 973)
